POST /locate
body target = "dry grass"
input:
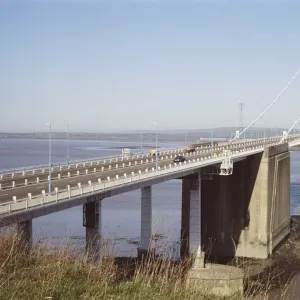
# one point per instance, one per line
(44, 273)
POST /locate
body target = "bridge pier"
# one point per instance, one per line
(92, 222)
(146, 245)
(191, 220)
(24, 234)
(247, 214)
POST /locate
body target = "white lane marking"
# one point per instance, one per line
(3, 195)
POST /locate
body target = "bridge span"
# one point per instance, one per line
(235, 197)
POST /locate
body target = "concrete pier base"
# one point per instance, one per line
(92, 222)
(216, 280)
(147, 246)
(24, 234)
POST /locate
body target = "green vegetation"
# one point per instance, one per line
(44, 273)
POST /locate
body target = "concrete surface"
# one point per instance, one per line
(217, 280)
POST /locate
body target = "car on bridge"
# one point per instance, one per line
(152, 152)
(179, 158)
(190, 148)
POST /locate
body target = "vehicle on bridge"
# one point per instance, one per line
(179, 158)
(152, 152)
(190, 148)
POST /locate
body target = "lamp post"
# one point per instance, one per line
(142, 140)
(68, 144)
(50, 156)
(211, 140)
(156, 153)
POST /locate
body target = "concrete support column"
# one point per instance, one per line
(146, 221)
(92, 222)
(185, 217)
(24, 234)
(191, 219)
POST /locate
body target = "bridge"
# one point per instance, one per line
(234, 193)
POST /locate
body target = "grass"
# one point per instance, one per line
(64, 274)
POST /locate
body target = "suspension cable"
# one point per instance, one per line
(278, 96)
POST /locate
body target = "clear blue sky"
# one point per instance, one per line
(113, 65)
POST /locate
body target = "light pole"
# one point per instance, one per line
(68, 144)
(211, 140)
(142, 139)
(50, 155)
(156, 154)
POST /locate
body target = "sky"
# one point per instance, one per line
(122, 64)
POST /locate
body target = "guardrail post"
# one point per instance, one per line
(29, 198)
(135, 162)
(95, 170)
(0, 186)
(69, 190)
(13, 184)
(117, 176)
(12, 175)
(80, 186)
(153, 169)
(77, 172)
(56, 191)
(147, 160)
(69, 174)
(109, 167)
(129, 164)
(99, 180)
(23, 173)
(86, 171)
(117, 166)
(90, 182)
(15, 199)
(125, 175)
(102, 168)
(132, 173)
(108, 178)
(58, 176)
(43, 196)
(146, 171)
(33, 171)
(37, 180)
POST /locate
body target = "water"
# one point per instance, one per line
(120, 214)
